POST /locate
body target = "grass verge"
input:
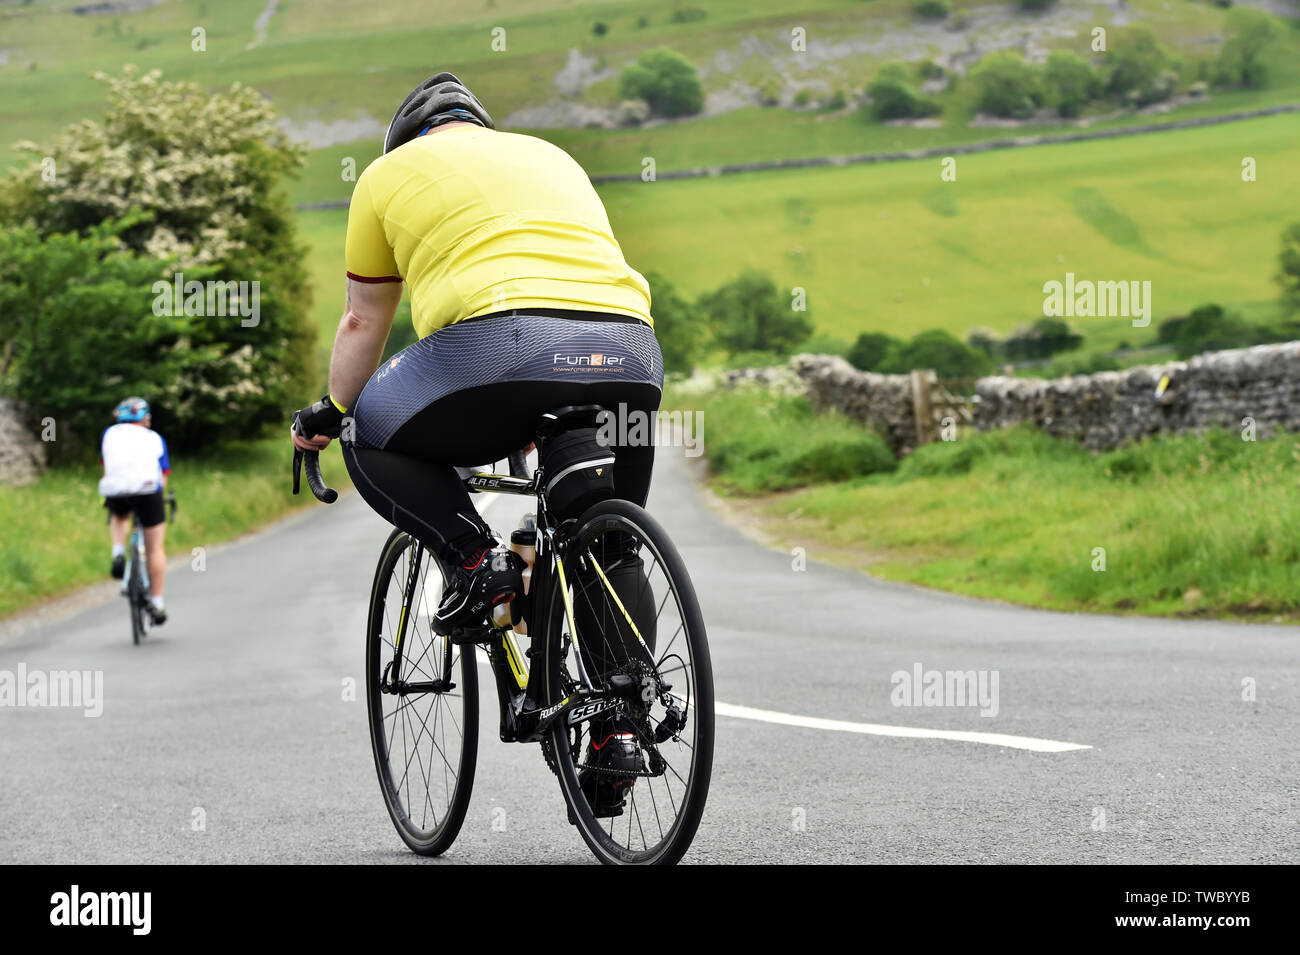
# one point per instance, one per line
(56, 537)
(1185, 526)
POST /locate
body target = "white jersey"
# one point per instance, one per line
(135, 460)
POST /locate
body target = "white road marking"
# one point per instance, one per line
(882, 729)
(869, 729)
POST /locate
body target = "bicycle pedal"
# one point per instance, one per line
(468, 635)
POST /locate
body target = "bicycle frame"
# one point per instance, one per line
(525, 717)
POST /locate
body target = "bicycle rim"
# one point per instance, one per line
(663, 803)
(425, 744)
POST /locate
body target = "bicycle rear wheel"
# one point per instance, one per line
(135, 596)
(669, 716)
(423, 701)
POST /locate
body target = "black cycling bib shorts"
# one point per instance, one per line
(473, 392)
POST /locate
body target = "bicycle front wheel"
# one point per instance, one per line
(422, 692)
(636, 617)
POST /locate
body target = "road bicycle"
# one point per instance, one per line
(566, 688)
(135, 576)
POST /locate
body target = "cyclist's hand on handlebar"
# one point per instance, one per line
(314, 426)
(316, 443)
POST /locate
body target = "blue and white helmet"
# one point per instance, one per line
(131, 409)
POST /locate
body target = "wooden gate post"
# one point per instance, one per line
(922, 382)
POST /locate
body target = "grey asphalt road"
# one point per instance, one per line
(228, 737)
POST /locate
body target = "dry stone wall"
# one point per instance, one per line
(1243, 388)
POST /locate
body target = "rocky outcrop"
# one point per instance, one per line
(22, 454)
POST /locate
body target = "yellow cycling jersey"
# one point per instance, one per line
(478, 221)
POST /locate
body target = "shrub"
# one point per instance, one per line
(931, 9)
(689, 15)
(1141, 70)
(600, 28)
(1209, 328)
(1034, 4)
(894, 97)
(1251, 42)
(930, 70)
(823, 343)
(1071, 82)
(632, 112)
(949, 356)
(1006, 85)
(677, 324)
(750, 313)
(664, 79)
(1042, 339)
(870, 350)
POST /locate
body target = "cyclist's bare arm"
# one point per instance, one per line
(363, 330)
(358, 344)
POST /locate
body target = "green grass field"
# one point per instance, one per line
(336, 60)
(890, 247)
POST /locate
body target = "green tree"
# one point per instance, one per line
(870, 349)
(1071, 82)
(80, 332)
(894, 97)
(194, 178)
(1042, 339)
(1251, 42)
(677, 325)
(1209, 328)
(666, 80)
(750, 313)
(949, 356)
(1005, 85)
(1140, 68)
(931, 9)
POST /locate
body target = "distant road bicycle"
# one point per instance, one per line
(135, 577)
(557, 685)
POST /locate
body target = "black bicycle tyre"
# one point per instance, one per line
(683, 830)
(440, 839)
(135, 597)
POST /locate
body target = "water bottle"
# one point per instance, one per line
(523, 541)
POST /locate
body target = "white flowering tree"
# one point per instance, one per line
(191, 180)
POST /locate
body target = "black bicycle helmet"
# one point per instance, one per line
(439, 99)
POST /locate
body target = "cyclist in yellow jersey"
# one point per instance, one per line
(523, 303)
